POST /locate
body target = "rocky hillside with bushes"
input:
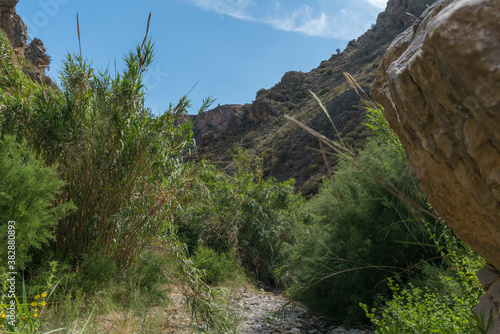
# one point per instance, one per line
(36, 59)
(285, 151)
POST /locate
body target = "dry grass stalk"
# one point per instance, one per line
(78, 29)
(147, 30)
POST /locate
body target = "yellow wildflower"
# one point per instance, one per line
(35, 315)
(3, 315)
(44, 295)
(37, 296)
(43, 303)
(33, 304)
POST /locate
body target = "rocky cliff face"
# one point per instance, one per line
(440, 85)
(13, 25)
(36, 54)
(261, 128)
(36, 59)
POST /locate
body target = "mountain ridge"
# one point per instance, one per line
(260, 127)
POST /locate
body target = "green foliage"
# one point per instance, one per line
(218, 267)
(441, 301)
(96, 272)
(376, 122)
(363, 234)
(141, 286)
(204, 302)
(324, 91)
(27, 316)
(28, 191)
(112, 153)
(245, 213)
(121, 167)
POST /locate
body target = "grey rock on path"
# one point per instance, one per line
(267, 312)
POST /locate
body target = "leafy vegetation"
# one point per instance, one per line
(28, 189)
(106, 201)
(373, 186)
(244, 213)
(439, 300)
(362, 235)
(120, 167)
(218, 268)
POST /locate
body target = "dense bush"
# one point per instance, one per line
(113, 154)
(28, 191)
(363, 234)
(121, 167)
(218, 267)
(245, 213)
(439, 300)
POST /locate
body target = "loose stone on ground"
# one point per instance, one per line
(267, 312)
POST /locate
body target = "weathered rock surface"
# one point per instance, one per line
(223, 119)
(13, 25)
(440, 85)
(36, 53)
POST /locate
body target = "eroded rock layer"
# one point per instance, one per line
(440, 85)
(13, 25)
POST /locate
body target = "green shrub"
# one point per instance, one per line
(324, 91)
(96, 273)
(362, 235)
(218, 267)
(245, 213)
(142, 285)
(299, 95)
(112, 153)
(28, 193)
(440, 301)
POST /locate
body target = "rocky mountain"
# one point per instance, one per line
(287, 152)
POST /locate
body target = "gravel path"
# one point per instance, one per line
(267, 312)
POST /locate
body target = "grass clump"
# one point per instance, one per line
(218, 268)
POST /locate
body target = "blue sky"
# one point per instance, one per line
(232, 48)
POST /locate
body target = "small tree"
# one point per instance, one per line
(28, 191)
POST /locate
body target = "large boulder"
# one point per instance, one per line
(439, 83)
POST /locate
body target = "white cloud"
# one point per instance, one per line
(234, 8)
(325, 18)
(378, 3)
